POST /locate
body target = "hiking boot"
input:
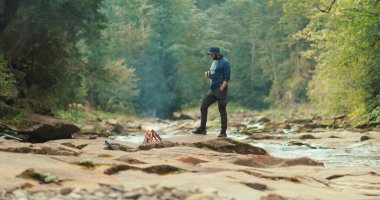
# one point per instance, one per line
(222, 134)
(200, 131)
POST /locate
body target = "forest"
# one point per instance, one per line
(147, 57)
(133, 99)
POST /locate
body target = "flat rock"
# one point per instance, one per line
(227, 145)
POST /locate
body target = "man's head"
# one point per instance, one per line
(214, 52)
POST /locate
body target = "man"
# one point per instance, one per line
(219, 76)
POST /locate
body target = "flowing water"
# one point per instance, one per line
(353, 155)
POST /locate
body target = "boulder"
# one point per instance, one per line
(227, 145)
(46, 132)
(367, 125)
(364, 138)
(118, 128)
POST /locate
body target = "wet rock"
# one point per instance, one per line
(162, 169)
(117, 168)
(227, 145)
(364, 138)
(335, 176)
(46, 132)
(307, 137)
(257, 186)
(156, 169)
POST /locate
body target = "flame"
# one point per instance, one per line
(151, 137)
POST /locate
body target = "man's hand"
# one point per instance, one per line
(224, 85)
(207, 74)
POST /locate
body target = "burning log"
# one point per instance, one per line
(151, 136)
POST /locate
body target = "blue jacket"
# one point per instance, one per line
(220, 71)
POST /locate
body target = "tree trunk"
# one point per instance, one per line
(252, 55)
(274, 72)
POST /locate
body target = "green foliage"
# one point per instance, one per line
(149, 56)
(346, 48)
(374, 115)
(48, 178)
(115, 89)
(40, 41)
(7, 81)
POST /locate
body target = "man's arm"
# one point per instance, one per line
(226, 76)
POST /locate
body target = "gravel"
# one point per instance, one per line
(111, 193)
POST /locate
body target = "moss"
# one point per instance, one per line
(81, 146)
(104, 156)
(87, 163)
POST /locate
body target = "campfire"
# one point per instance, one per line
(151, 137)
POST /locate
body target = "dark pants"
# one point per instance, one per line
(211, 98)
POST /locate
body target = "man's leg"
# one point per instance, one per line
(222, 106)
(209, 99)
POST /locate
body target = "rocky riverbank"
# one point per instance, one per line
(187, 166)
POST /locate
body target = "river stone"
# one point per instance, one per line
(307, 137)
(364, 138)
(227, 145)
(367, 125)
(46, 132)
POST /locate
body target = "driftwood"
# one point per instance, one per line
(151, 137)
